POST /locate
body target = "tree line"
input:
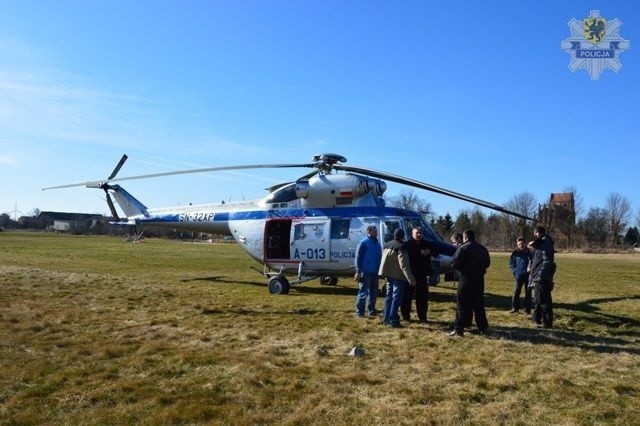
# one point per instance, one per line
(596, 228)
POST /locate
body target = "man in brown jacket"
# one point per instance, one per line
(395, 268)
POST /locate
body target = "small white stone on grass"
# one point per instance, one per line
(356, 351)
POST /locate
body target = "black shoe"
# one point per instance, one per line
(395, 325)
(455, 333)
(485, 332)
(406, 318)
(422, 321)
(527, 311)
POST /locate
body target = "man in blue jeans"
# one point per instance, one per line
(368, 255)
(396, 269)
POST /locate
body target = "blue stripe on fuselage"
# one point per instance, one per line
(291, 214)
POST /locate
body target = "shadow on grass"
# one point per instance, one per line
(224, 280)
(297, 288)
(565, 338)
(618, 324)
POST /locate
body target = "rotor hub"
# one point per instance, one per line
(325, 162)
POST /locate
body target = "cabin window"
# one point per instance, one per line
(389, 228)
(340, 228)
(306, 230)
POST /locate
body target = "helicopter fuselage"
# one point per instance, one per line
(303, 241)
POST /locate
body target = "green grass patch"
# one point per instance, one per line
(97, 330)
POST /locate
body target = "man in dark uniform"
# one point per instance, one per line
(420, 253)
(471, 260)
(541, 277)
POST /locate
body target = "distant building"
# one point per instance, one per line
(77, 223)
(559, 216)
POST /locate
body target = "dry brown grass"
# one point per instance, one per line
(95, 330)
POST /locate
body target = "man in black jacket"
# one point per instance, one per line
(541, 277)
(420, 253)
(471, 260)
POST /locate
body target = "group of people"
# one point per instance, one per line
(406, 265)
(533, 268)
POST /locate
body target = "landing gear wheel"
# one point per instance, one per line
(329, 280)
(279, 285)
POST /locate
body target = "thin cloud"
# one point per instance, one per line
(60, 108)
(8, 161)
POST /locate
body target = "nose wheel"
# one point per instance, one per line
(329, 280)
(279, 285)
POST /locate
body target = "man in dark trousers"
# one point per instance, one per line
(471, 260)
(420, 253)
(541, 277)
(519, 264)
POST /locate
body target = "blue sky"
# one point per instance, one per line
(476, 97)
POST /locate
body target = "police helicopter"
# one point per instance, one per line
(302, 230)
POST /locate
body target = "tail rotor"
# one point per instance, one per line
(105, 186)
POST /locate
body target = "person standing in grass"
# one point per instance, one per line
(420, 252)
(396, 269)
(471, 259)
(519, 263)
(542, 270)
(368, 256)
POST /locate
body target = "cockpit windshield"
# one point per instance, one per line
(427, 231)
(283, 195)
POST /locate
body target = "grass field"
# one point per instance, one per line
(96, 330)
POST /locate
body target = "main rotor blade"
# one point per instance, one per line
(118, 166)
(183, 172)
(428, 187)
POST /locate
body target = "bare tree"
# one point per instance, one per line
(618, 210)
(408, 200)
(578, 201)
(524, 203)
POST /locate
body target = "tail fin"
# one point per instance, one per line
(127, 202)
